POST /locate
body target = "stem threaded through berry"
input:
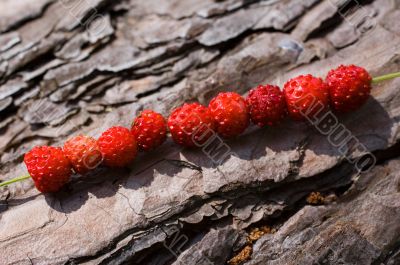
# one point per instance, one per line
(8, 182)
(385, 77)
(243, 124)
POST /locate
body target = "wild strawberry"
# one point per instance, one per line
(149, 129)
(349, 87)
(267, 105)
(83, 152)
(118, 147)
(191, 124)
(306, 96)
(231, 113)
(49, 168)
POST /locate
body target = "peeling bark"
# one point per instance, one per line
(78, 67)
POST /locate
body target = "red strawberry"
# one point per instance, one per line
(191, 125)
(149, 129)
(306, 96)
(49, 168)
(267, 105)
(118, 147)
(349, 87)
(83, 152)
(231, 113)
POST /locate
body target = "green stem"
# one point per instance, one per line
(8, 182)
(385, 77)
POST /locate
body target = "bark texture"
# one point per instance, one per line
(81, 66)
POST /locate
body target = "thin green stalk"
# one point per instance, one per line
(8, 182)
(385, 77)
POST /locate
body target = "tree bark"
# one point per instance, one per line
(290, 194)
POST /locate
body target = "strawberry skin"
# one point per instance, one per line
(267, 105)
(149, 130)
(83, 152)
(191, 125)
(306, 96)
(118, 147)
(49, 168)
(349, 87)
(231, 114)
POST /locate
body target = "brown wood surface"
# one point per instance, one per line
(81, 66)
